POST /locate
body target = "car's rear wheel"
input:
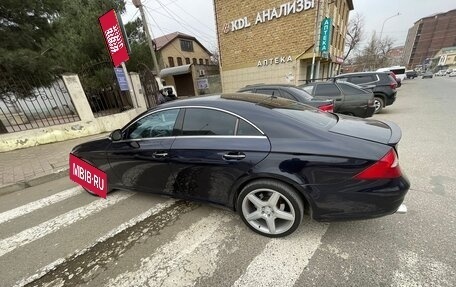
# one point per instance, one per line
(90, 192)
(378, 104)
(270, 208)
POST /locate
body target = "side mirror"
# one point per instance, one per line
(116, 135)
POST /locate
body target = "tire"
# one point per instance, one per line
(270, 208)
(89, 192)
(379, 104)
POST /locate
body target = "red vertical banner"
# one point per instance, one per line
(88, 176)
(114, 40)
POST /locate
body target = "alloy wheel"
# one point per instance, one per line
(268, 211)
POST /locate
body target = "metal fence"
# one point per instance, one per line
(99, 82)
(26, 103)
(151, 89)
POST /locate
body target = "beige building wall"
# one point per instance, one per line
(244, 51)
(174, 50)
(233, 80)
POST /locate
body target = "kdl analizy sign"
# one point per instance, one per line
(285, 9)
(325, 35)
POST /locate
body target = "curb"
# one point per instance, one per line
(33, 182)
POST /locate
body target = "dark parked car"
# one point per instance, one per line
(349, 99)
(292, 93)
(270, 159)
(381, 83)
(411, 74)
(427, 75)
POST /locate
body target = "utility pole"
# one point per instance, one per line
(139, 5)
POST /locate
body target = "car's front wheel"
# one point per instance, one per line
(378, 104)
(270, 208)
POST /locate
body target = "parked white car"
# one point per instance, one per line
(440, 73)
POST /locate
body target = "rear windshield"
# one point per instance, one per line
(398, 71)
(294, 110)
(309, 116)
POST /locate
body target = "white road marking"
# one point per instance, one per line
(192, 254)
(29, 235)
(135, 220)
(35, 205)
(283, 260)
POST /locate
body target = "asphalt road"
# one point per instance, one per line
(57, 235)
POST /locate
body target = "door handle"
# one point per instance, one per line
(234, 156)
(160, 154)
(338, 100)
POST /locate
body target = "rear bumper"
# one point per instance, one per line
(390, 100)
(358, 199)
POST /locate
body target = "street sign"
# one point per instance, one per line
(121, 79)
(202, 84)
(114, 40)
(325, 35)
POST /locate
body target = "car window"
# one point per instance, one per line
(350, 89)
(271, 92)
(308, 89)
(361, 79)
(286, 95)
(246, 129)
(342, 79)
(327, 90)
(159, 124)
(199, 121)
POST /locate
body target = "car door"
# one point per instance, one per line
(140, 160)
(356, 100)
(215, 148)
(330, 91)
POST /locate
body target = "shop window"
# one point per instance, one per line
(179, 61)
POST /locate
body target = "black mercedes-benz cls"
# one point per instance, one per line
(269, 158)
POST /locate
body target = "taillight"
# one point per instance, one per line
(386, 167)
(370, 102)
(327, 108)
(393, 85)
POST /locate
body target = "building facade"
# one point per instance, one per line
(427, 36)
(445, 59)
(274, 41)
(186, 64)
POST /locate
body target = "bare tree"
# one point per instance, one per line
(354, 33)
(375, 54)
(215, 58)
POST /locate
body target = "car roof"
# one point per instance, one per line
(258, 108)
(269, 86)
(232, 101)
(360, 73)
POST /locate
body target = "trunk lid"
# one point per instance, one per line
(384, 132)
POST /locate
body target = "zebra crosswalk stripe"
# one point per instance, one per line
(35, 205)
(34, 233)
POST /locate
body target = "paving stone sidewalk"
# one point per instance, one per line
(30, 166)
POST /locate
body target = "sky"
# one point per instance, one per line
(196, 17)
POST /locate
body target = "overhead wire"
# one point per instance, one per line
(187, 27)
(165, 35)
